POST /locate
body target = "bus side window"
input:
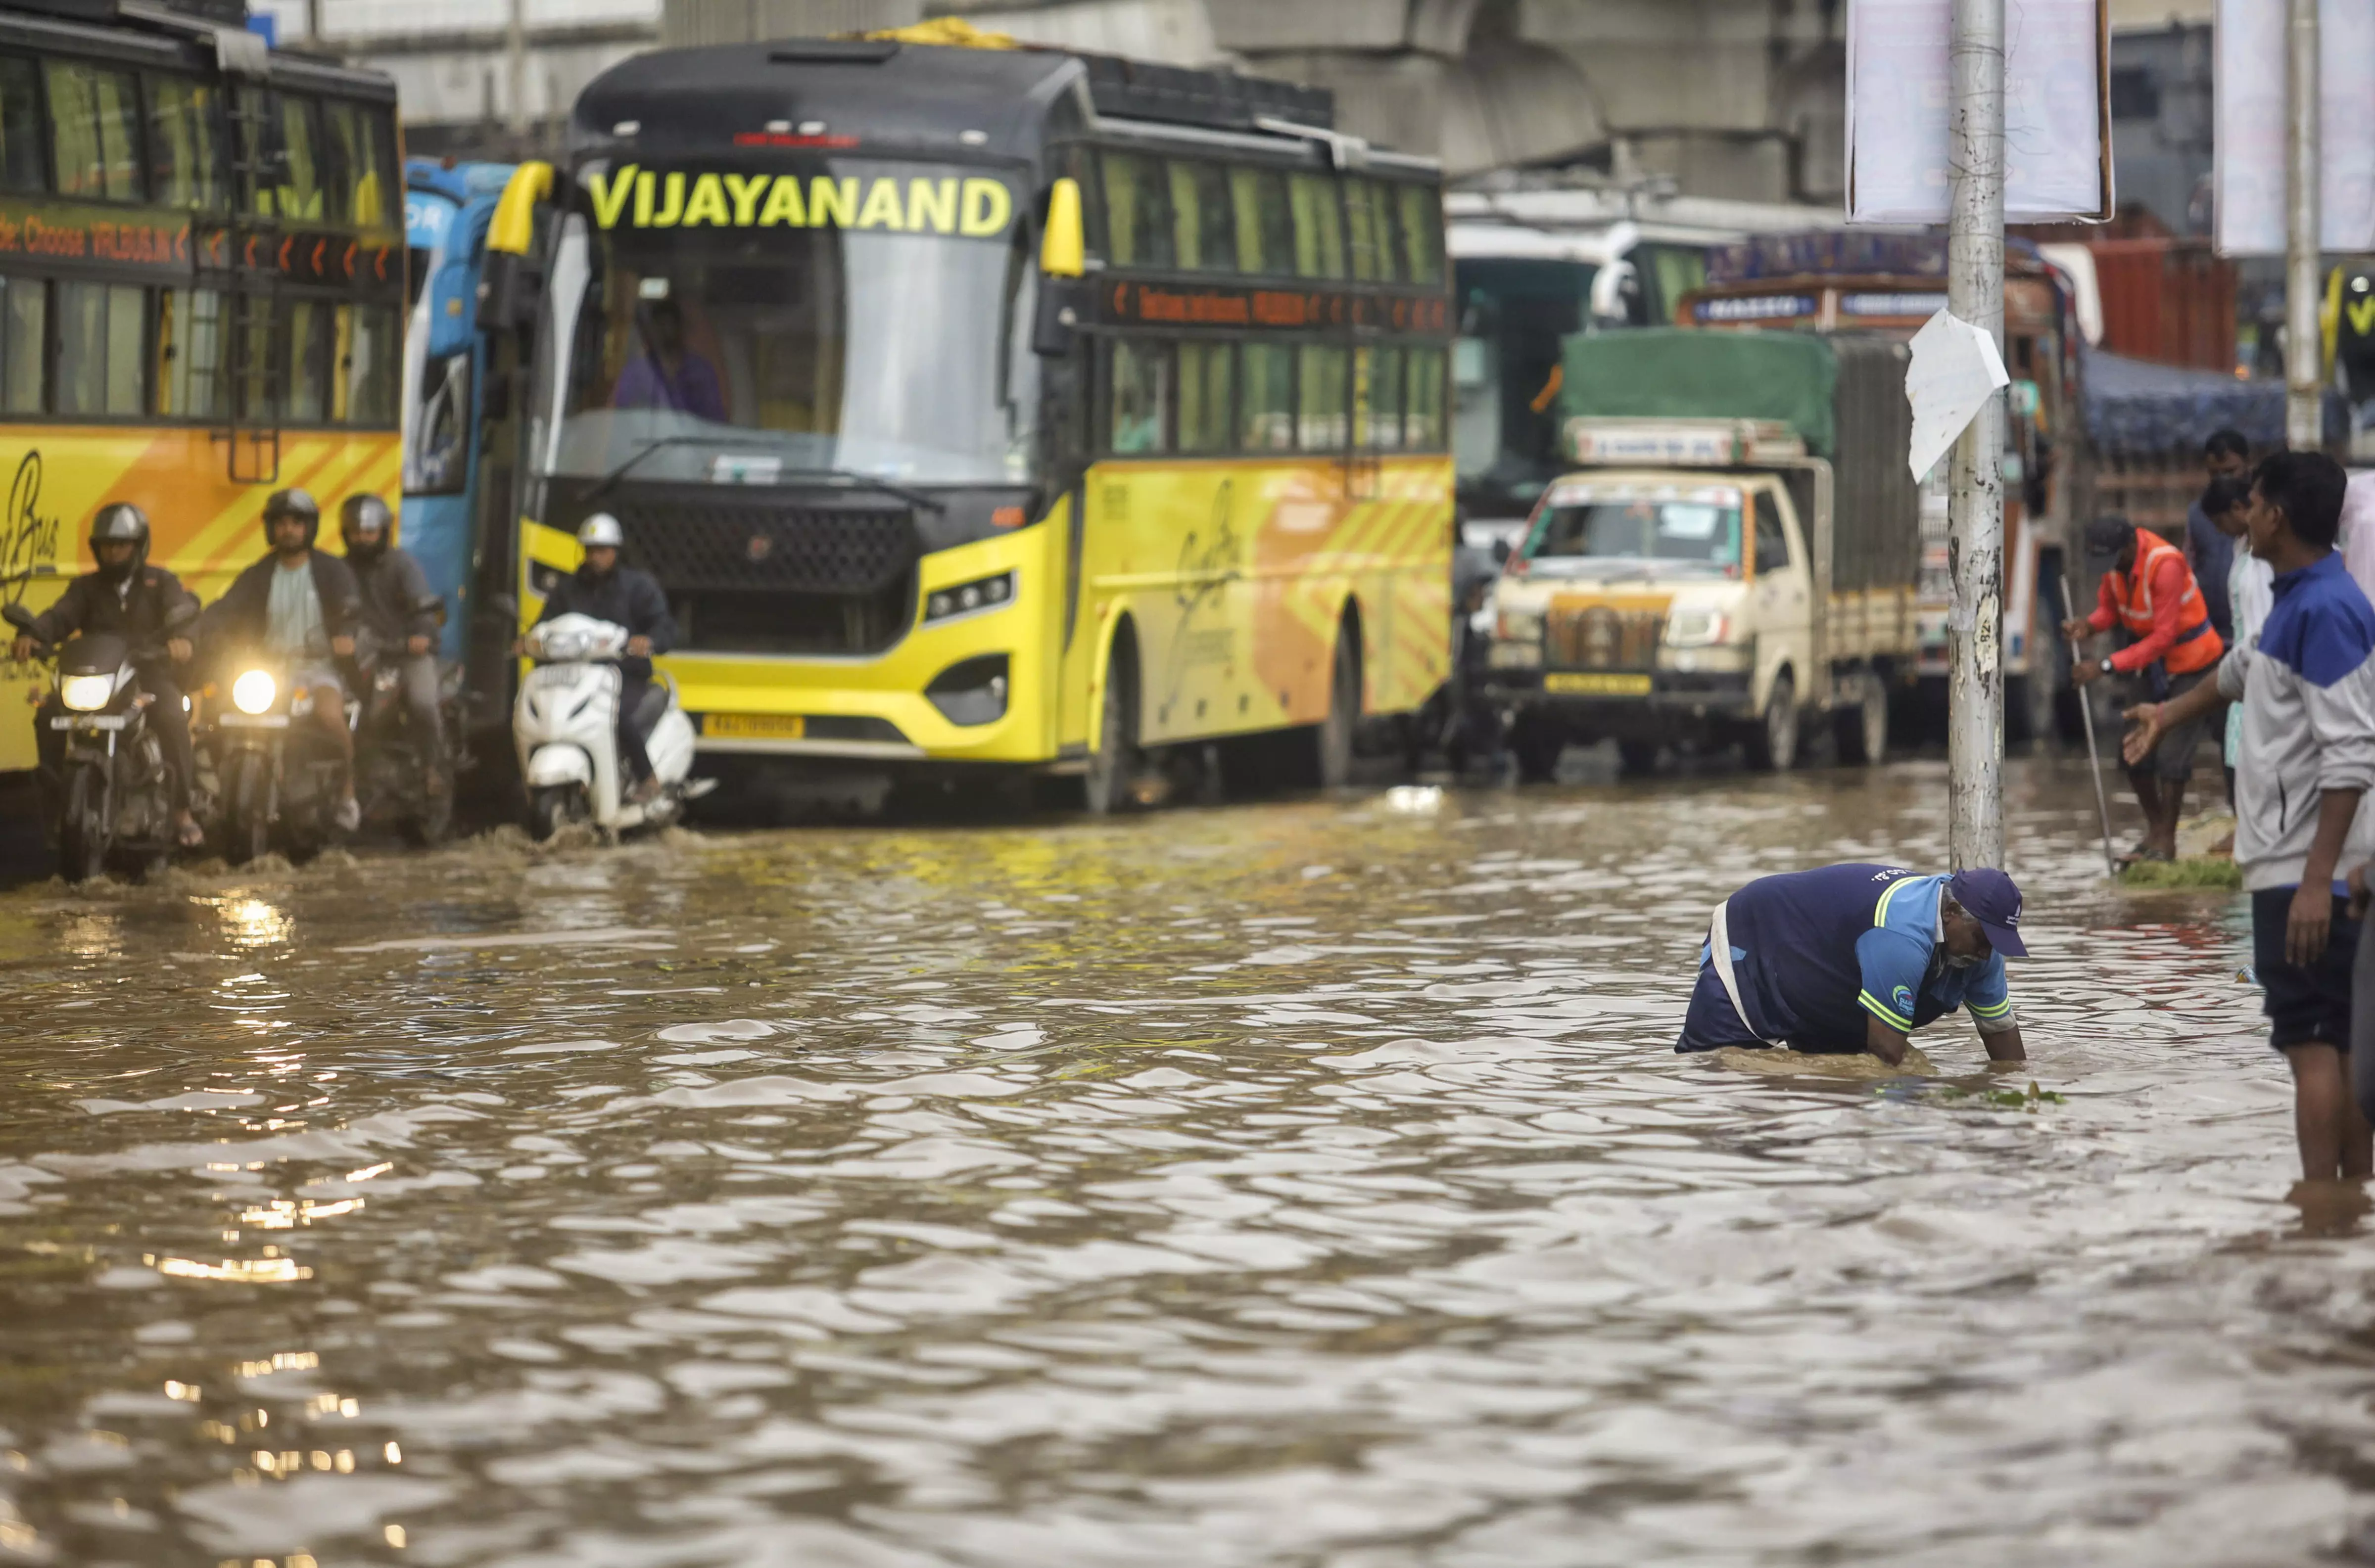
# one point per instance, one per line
(1137, 397)
(94, 130)
(1378, 388)
(1369, 220)
(1205, 416)
(1422, 231)
(184, 153)
(21, 128)
(355, 168)
(23, 316)
(102, 348)
(189, 353)
(287, 180)
(1200, 217)
(1266, 418)
(310, 325)
(1320, 409)
(1422, 418)
(1265, 223)
(370, 361)
(1318, 227)
(1138, 210)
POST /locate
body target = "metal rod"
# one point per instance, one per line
(2304, 339)
(515, 73)
(2086, 717)
(1974, 285)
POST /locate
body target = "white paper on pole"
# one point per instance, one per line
(1955, 369)
(1900, 104)
(2247, 92)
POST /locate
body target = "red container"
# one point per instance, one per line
(2167, 301)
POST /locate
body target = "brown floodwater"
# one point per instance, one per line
(1303, 1184)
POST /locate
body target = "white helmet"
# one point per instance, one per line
(602, 529)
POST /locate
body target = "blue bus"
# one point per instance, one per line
(457, 478)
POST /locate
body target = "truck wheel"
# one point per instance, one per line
(1773, 744)
(1638, 758)
(1113, 767)
(1863, 730)
(1535, 743)
(82, 832)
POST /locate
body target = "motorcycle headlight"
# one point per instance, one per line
(253, 692)
(86, 693)
(563, 647)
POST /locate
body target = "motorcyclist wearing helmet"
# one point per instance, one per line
(304, 607)
(399, 611)
(125, 597)
(624, 597)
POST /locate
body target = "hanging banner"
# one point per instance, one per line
(2248, 165)
(2057, 104)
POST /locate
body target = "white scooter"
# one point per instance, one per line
(566, 728)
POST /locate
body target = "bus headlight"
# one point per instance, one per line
(86, 693)
(253, 692)
(982, 593)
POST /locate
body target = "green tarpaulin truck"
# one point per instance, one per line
(1732, 556)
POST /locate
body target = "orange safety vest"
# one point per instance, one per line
(2197, 646)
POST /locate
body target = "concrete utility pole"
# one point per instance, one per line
(1975, 293)
(516, 70)
(2304, 341)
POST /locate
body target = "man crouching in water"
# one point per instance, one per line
(300, 607)
(1856, 958)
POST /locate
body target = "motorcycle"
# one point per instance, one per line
(114, 797)
(565, 725)
(277, 778)
(392, 767)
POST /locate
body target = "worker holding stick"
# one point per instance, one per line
(2150, 592)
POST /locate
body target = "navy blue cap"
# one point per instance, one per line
(1990, 897)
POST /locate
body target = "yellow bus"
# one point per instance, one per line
(994, 410)
(201, 290)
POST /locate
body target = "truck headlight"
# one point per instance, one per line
(982, 593)
(1696, 628)
(253, 692)
(1519, 626)
(86, 693)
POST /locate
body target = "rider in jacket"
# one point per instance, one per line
(395, 591)
(304, 607)
(125, 597)
(623, 596)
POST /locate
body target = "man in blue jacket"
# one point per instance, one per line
(1856, 958)
(2307, 754)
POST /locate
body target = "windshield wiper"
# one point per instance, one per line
(603, 485)
(850, 477)
(840, 475)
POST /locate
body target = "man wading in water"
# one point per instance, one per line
(1856, 958)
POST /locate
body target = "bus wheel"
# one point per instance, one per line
(1333, 740)
(1112, 779)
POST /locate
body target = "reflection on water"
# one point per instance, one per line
(1309, 1183)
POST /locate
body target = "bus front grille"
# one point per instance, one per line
(772, 579)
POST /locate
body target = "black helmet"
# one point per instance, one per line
(292, 503)
(119, 523)
(362, 514)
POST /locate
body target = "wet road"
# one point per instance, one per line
(1302, 1185)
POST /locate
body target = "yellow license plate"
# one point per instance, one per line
(755, 726)
(1573, 684)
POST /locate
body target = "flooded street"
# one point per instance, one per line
(1304, 1184)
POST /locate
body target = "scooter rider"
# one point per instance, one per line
(125, 597)
(394, 588)
(623, 596)
(304, 606)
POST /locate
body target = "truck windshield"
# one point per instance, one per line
(1698, 530)
(745, 353)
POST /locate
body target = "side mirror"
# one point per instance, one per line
(19, 617)
(1500, 552)
(1056, 318)
(1063, 259)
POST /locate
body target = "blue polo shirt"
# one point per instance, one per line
(1818, 952)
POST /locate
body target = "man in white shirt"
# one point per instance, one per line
(2250, 590)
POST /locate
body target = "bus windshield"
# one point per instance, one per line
(1668, 527)
(764, 353)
